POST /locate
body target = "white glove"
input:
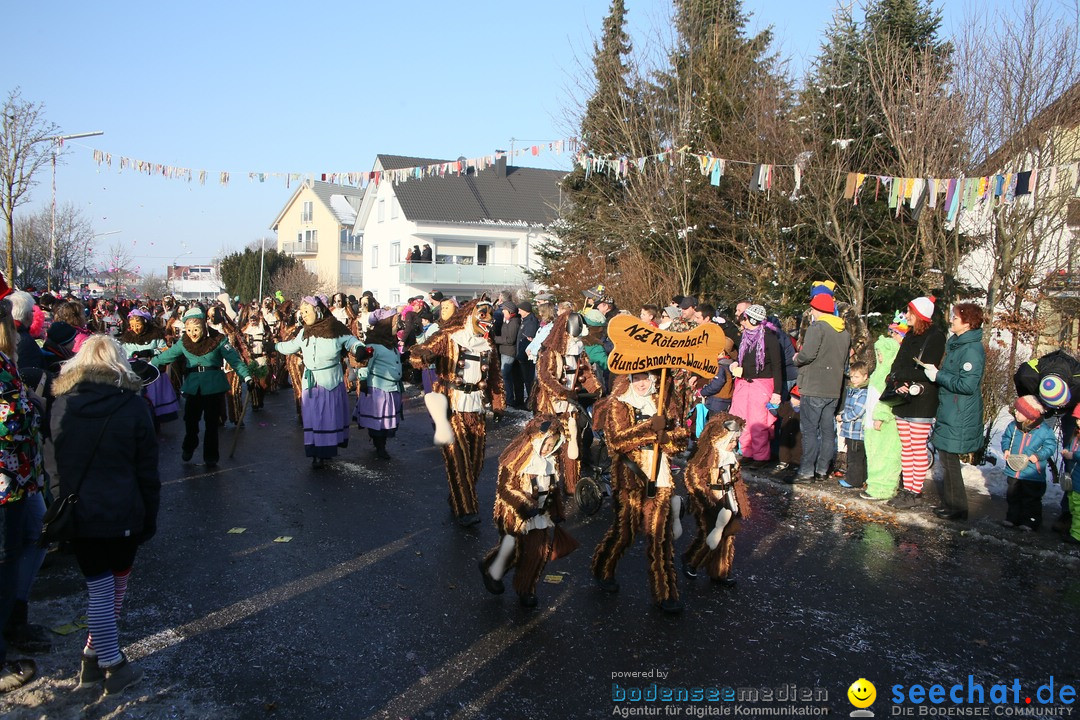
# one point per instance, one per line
(931, 372)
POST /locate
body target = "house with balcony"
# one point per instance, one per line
(316, 226)
(483, 228)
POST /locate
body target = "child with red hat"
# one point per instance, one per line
(1029, 445)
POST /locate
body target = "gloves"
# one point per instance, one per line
(931, 372)
(736, 370)
(571, 396)
(426, 354)
(658, 423)
(144, 354)
(249, 381)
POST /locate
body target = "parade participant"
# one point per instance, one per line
(528, 502)
(144, 339)
(204, 351)
(467, 381)
(718, 499)
(217, 318)
(321, 342)
(339, 308)
(563, 375)
(632, 426)
(292, 366)
(107, 454)
(882, 439)
(379, 406)
(259, 339)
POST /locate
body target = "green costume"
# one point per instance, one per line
(212, 379)
(882, 446)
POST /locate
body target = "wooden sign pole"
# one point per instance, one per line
(650, 487)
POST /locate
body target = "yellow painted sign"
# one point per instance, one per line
(639, 347)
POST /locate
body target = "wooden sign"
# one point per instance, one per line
(639, 347)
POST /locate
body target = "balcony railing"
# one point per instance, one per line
(300, 248)
(350, 279)
(450, 274)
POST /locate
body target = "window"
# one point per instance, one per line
(374, 256)
(394, 208)
(349, 242)
(482, 254)
(300, 237)
(311, 238)
(382, 210)
(308, 212)
(395, 254)
(395, 297)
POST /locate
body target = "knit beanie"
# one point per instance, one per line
(1029, 407)
(923, 307)
(821, 296)
(1054, 392)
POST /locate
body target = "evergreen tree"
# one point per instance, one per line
(240, 271)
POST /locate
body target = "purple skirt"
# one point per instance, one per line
(161, 394)
(326, 420)
(379, 410)
(428, 376)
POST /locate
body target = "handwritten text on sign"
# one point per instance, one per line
(640, 347)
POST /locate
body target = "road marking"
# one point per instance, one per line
(247, 607)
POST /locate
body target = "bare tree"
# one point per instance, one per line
(1024, 114)
(297, 281)
(153, 286)
(116, 269)
(74, 239)
(24, 149)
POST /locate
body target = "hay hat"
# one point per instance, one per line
(1029, 407)
(923, 307)
(1054, 392)
(821, 296)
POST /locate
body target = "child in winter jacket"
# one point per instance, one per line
(1029, 446)
(851, 426)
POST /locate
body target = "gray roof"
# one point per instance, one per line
(523, 195)
(353, 195)
(397, 162)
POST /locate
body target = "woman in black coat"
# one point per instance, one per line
(107, 454)
(923, 345)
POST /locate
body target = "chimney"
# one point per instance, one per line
(500, 163)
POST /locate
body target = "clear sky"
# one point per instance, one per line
(308, 87)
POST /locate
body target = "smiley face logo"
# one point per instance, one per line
(862, 693)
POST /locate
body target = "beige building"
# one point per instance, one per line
(316, 227)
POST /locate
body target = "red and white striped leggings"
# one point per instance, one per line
(914, 461)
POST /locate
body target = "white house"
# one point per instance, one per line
(483, 229)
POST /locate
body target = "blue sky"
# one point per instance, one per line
(313, 87)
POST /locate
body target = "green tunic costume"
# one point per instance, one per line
(882, 446)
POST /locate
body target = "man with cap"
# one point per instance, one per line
(506, 339)
(821, 363)
(205, 384)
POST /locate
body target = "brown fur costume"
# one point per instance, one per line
(293, 365)
(554, 390)
(633, 511)
(464, 457)
(234, 398)
(702, 473)
(517, 503)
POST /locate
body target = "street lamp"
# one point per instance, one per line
(58, 142)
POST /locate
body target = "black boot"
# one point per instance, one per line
(380, 448)
(23, 635)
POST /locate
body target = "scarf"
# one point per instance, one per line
(753, 340)
(328, 327)
(210, 340)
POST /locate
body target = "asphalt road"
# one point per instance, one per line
(374, 608)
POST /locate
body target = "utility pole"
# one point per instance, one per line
(58, 143)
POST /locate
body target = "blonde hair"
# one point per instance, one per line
(102, 351)
(9, 336)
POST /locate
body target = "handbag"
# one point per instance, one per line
(889, 394)
(58, 522)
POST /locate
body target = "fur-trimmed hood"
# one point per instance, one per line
(96, 375)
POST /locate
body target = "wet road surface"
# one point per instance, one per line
(374, 608)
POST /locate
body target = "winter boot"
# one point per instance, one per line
(90, 674)
(380, 448)
(121, 676)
